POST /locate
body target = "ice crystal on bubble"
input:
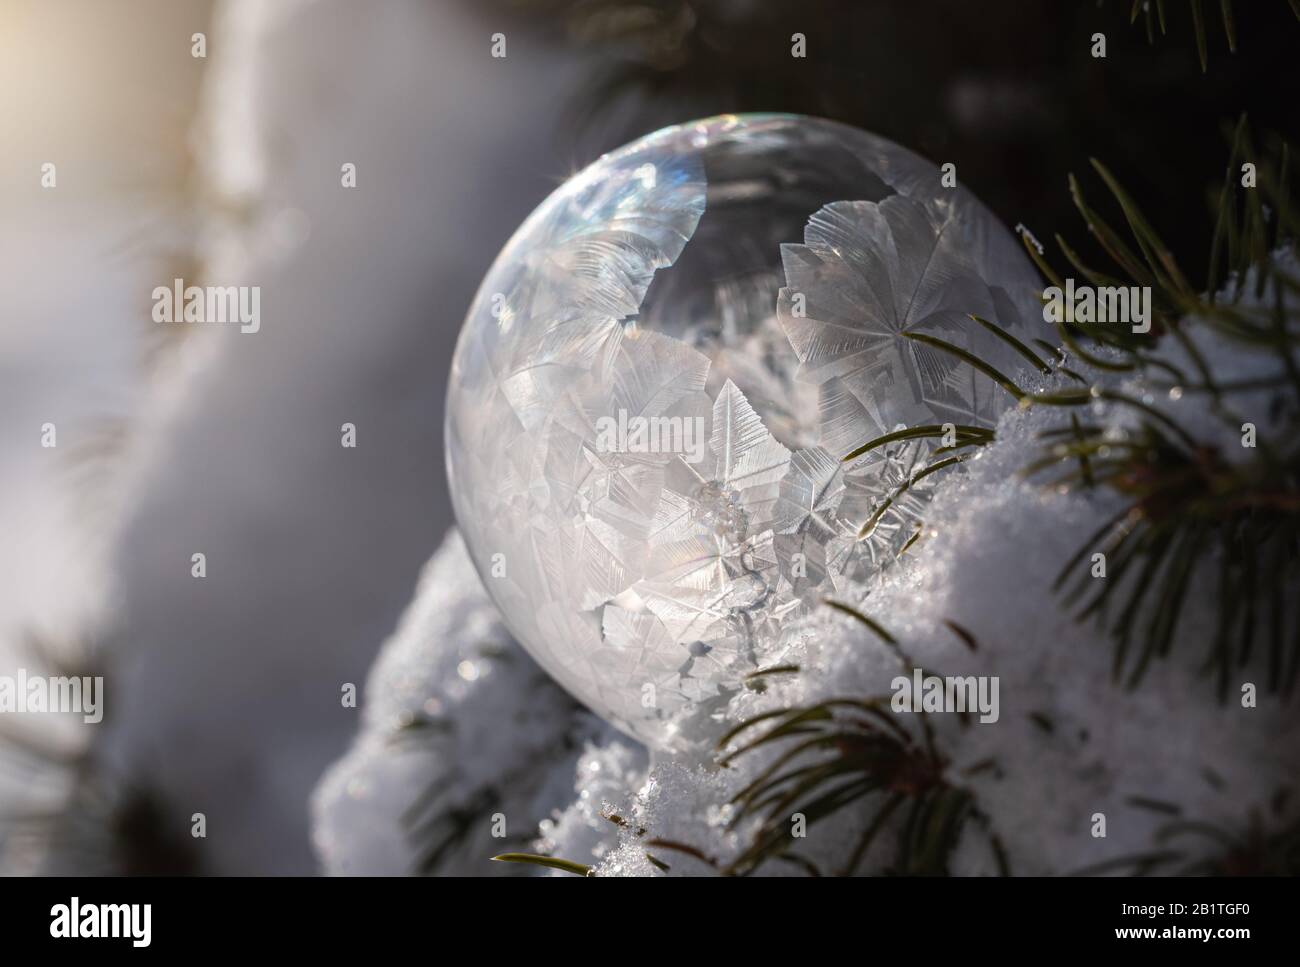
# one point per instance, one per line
(744, 285)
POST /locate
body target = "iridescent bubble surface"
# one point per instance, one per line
(659, 378)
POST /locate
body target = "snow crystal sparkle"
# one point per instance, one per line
(755, 276)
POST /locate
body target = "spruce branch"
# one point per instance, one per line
(851, 753)
(1191, 847)
(1154, 19)
(1185, 503)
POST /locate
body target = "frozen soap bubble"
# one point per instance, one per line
(659, 379)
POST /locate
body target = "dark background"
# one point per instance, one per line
(1009, 91)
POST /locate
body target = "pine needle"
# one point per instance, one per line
(550, 862)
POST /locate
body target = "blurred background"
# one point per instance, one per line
(223, 694)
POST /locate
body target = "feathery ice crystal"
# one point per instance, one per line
(734, 298)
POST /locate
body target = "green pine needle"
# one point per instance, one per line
(550, 862)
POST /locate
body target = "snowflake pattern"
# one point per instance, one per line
(650, 583)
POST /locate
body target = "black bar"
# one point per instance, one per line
(332, 916)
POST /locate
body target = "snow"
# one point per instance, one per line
(1069, 743)
(456, 717)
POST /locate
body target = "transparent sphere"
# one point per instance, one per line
(662, 373)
